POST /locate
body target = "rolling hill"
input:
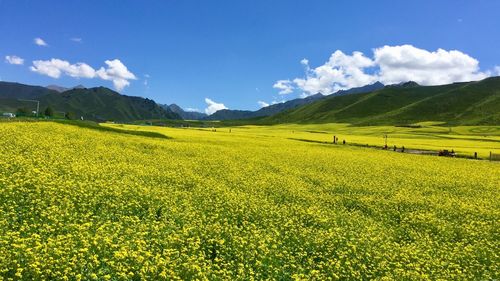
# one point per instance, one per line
(98, 103)
(469, 103)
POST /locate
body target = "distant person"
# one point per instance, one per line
(343, 142)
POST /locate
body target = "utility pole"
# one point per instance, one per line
(37, 105)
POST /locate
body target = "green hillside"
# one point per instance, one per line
(104, 104)
(471, 103)
(12, 93)
(11, 90)
(98, 104)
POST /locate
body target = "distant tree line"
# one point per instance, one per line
(48, 112)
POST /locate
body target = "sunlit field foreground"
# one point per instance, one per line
(78, 203)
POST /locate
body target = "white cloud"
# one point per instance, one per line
(213, 106)
(407, 63)
(341, 71)
(116, 71)
(263, 103)
(55, 68)
(76, 39)
(497, 70)
(190, 109)
(389, 65)
(285, 86)
(14, 60)
(40, 42)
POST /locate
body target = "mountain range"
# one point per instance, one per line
(63, 89)
(228, 114)
(186, 115)
(99, 103)
(467, 103)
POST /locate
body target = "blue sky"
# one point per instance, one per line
(233, 52)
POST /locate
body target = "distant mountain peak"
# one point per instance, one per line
(358, 90)
(184, 114)
(61, 89)
(175, 106)
(57, 88)
(408, 84)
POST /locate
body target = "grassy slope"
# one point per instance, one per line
(10, 90)
(104, 104)
(10, 93)
(95, 103)
(473, 103)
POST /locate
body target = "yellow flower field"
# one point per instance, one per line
(83, 204)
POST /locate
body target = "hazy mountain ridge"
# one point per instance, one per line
(186, 115)
(61, 89)
(467, 103)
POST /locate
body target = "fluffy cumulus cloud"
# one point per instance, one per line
(263, 103)
(389, 65)
(285, 87)
(55, 68)
(213, 106)
(408, 63)
(341, 71)
(115, 71)
(14, 60)
(40, 42)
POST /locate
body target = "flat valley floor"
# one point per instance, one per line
(242, 203)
